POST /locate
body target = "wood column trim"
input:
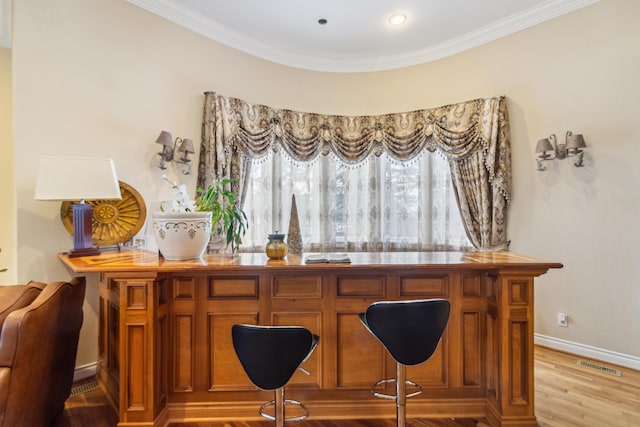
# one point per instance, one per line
(511, 308)
(140, 298)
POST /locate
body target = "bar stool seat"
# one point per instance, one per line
(410, 331)
(270, 355)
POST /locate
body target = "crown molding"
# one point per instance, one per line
(180, 15)
(5, 23)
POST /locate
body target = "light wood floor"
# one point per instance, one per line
(567, 395)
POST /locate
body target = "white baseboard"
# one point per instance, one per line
(612, 357)
(85, 371)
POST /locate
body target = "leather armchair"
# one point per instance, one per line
(38, 345)
(17, 296)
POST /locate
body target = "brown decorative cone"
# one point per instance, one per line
(294, 240)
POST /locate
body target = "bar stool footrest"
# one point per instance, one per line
(375, 393)
(289, 401)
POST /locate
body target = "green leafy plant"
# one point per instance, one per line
(227, 218)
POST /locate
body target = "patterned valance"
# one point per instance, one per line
(472, 135)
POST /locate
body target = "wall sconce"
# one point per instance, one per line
(574, 146)
(185, 146)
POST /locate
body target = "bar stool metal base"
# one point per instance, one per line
(375, 393)
(401, 392)
(279, 405)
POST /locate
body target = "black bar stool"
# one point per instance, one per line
(270, 355)
(410, 331)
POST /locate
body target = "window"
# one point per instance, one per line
(378, 205)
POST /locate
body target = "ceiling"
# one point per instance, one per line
(357, 36)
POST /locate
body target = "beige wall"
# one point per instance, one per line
(102, 78)
(7, 187)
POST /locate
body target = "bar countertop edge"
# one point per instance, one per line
(134, 260)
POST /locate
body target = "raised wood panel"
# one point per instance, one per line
(136, 366)
(232, 287)
(184, 288)
(471, 285)
(183, 353)
(113, 339)
(360, 357)
(471, 349)
(424, 287)
(225, 371)
(519, 351)
(313, 365)
(518, 292)
(492, 291)
(103, 330)
(492, 359)
(162, 293)
(297, 287)
(108, 372)
(367, 286)
(518, 313)
(161, 355)
(112, 284)
(136, 296)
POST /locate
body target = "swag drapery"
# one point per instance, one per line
(473, 136)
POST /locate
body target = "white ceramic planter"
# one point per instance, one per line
(181, 236)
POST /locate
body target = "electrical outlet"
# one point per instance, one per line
(140, 242)
(563, 320)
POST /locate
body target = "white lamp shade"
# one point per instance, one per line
(77, 178)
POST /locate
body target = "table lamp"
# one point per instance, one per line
(73, 179)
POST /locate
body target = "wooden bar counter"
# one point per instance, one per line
(165, 350)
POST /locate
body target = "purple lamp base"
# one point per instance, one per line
(83, 231)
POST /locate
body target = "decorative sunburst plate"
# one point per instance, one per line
(114, 221)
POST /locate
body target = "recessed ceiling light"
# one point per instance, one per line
(397, 19)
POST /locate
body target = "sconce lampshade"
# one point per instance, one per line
(575, 142)
(543, 145)
(165, 138)
(186, 146)
(78, 179)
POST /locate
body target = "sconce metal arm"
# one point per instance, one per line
(549, 149)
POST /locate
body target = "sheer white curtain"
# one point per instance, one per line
(377, 205)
